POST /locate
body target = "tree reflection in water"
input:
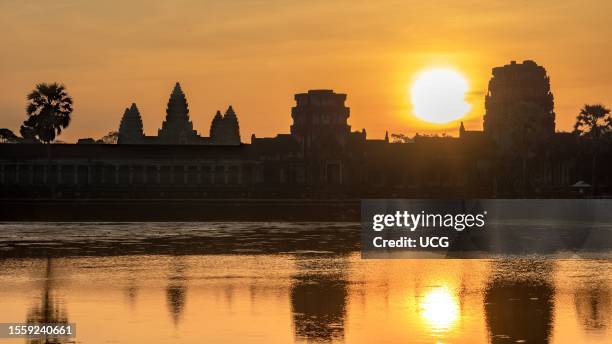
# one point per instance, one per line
(50, 310)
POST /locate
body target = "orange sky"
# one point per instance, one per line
(256, 54)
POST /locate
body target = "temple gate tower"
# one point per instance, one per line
(130, 128)
(177, 128)
(320, 127)
(320, 120)
(518, 100)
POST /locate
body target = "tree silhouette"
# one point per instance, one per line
(7, 136)
(400, 138)
(110, 139)
(595, 124)
(49, 108)
(28, 134)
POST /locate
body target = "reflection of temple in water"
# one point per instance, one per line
(519, 301)
(319, 295)
(593, 305)
(50, 310)
(131, 289)
(176, 290)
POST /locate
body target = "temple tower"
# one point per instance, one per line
(231, 135)
(320, 127)
(518, 99)
(177, 128)
(320, 120)
(216, 127)
(225, 130)
(130, 128)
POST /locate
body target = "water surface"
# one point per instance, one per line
(285, 282)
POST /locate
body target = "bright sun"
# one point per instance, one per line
(438, 96)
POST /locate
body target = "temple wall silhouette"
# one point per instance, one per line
(517, 155)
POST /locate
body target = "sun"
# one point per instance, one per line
(438, 95)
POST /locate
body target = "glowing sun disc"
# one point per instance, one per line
(438, 96)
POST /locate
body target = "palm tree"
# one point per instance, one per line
(595, 124)
(49, 108)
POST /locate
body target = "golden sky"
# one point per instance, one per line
(256, 54)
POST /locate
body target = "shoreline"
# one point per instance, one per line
(152, 210)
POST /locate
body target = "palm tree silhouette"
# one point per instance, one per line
(49, 108)
(595, 124)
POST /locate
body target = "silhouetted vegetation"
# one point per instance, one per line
(49, 108)
(110, 139)
(433, 135)
(7, 136)
(595, 124)
(401, 138)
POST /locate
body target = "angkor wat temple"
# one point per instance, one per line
(177, 128)
(518, 154)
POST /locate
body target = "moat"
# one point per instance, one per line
(160, 283)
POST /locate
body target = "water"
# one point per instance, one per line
(283, 282)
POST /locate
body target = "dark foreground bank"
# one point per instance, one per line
(180, 210)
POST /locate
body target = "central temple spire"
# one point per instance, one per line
(130, 128)
(177, 128)
(177, 104)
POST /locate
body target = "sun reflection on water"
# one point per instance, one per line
(440, 308)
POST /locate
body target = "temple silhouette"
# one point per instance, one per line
(518, 154)
(177, 128)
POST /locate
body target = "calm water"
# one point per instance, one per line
(280, 283)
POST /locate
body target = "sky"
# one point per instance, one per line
(255, 55)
